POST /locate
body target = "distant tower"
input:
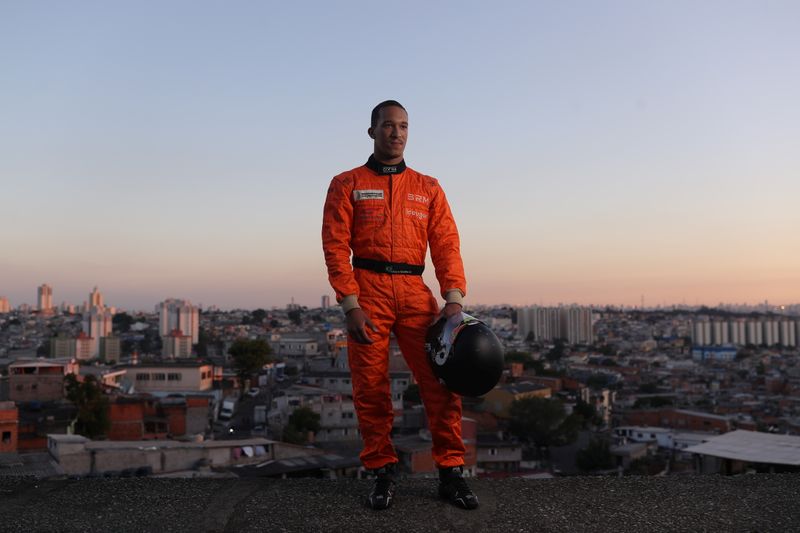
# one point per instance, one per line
(45, 298)
(326, 301)
(178, 314)
(97, 324)
(95, 299)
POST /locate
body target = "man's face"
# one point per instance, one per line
(390, 134)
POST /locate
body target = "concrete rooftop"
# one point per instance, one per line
(765, 502)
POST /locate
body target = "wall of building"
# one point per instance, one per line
(9, 427)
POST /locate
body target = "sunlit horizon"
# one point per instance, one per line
(596, 153)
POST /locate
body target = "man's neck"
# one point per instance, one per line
(382, 168)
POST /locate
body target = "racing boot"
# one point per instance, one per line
(453, 488)
(382, 492)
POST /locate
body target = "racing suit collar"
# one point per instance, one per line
(382, 170)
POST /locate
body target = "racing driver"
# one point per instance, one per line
(387, 214)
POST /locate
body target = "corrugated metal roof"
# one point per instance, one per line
(753, 447)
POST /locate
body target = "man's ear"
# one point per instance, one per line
(371, 133)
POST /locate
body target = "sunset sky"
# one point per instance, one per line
(592, 152)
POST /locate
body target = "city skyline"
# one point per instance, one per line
(591, 154)
(86, 305)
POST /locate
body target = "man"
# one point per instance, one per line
(387, 214)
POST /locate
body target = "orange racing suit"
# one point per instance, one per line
(389, 214)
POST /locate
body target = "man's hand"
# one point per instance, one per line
(357, 323)
(451, 309)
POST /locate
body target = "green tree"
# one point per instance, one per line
(92, 420)
(302, 421)
(259, 315)
(598, 381)
(202, 343)
(249, 356)
(519, 357)
(411, 394)
(648, 388)
(557, 352)
(296, 316)
(44, 349)
(122, 322)
(651, 402)
(587, 412)
(536, 420)
(596, 456)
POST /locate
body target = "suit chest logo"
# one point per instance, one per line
(367, 194)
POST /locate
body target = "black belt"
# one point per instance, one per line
(385, 267)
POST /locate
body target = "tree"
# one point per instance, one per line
(44, 349)
(92, 420)
(651, 402)
(302, 421)
(596, 456)
(122, 322)
(519, 357)
(648, 388)
(202, 343)
(249, 356)
(411, 395)
(536, 420)
(259, 315)
(587, 412)
(598, 381)
(296, 316)
(557, 352)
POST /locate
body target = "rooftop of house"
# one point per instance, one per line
(763, 502)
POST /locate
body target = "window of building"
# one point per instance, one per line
(492, 451)
(159, 376)
(142, 377)
(347, 415)
(6, 437)
(174, 376)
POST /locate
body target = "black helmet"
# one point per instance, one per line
(465, 354)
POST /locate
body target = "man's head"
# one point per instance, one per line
(389, 130)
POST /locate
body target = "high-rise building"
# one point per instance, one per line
(176, 345)
(178, 314)
(572, 323)
(740, 332)
(95, 298)
(62, 346)
(44, 298)
(84, 347)
(98, 323)
(110, 349)
(326, 301)
(576, 325)
(5, 307)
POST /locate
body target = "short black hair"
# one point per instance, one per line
(377, 110)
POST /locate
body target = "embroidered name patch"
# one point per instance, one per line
(368, 194)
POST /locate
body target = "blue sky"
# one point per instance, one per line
(592, 152)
